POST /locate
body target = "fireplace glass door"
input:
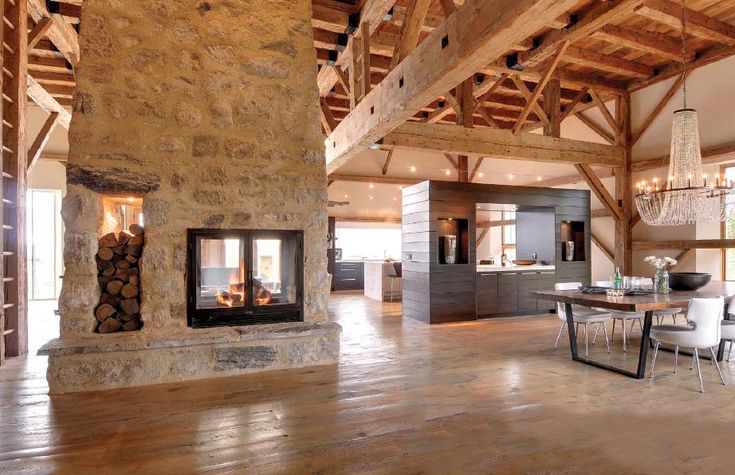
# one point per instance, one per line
(242, 277)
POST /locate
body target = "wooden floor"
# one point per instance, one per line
(482, 397)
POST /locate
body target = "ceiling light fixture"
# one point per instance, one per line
(686, 197)
(413, 169)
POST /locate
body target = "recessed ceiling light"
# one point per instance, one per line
(480, 174)
(447, 172)
(395, 199)
(346, 195)
(413, 169)
(510, 176)
(371, 197)
(371, 186)
(539, 178)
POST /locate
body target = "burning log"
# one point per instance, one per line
(118, 276)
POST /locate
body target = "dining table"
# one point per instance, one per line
(647, 304)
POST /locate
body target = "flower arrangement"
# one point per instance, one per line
(661, 263)
(661, 279)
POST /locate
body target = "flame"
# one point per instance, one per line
(235, 293)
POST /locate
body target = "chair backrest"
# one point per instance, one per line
(398, 266)
(604, 283)
(705, 316)
(560, 311)
(731, 306)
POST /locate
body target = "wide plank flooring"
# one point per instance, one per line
(483, 397)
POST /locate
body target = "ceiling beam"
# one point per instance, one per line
(383, 180)
(410, 30)
(697, 24)
(656, 44)
(499, 143)
(601, 245)
(710, 156)
(474, 35)
(599, 190)
(34, 153)
(609, 63)
(387, 162)
(688, 244)
(61, 33)
(368, 219)
(587, 23)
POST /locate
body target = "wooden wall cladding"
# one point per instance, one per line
(439, 293)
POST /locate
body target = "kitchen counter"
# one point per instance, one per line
(533, 268)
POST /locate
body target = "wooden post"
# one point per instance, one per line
(623, 188)
(15, 160)
(552, 98)
(465, 118)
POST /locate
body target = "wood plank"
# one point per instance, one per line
(500, 144)
(39, 31)
(34, 153)
(684, 244)
(476, 169)
(697, 24)
(599, 190)
(374, 179)
(473, 36)
(326, 116)
(605, 111)
(521, 86)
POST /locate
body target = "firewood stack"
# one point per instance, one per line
(119, 279)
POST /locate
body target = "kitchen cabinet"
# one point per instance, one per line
(503, 293)
(348, 275)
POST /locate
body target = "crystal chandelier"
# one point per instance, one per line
(686, 197)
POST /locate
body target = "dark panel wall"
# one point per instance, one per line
(436, 293)
(535, 233)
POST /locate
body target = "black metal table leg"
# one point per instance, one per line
(645, 338)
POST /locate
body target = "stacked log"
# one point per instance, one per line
(119, 279)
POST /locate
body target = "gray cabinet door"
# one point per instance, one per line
(348, 276)
(545, 281)
(507, 293)
(526, 285)
(487, 294)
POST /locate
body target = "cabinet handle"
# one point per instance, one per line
(488, 275)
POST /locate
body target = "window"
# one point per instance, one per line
(359, 241)
(509, 234)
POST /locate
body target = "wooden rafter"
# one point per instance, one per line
(410, 30)
(609, 63)
(539, 89)
(61, 33)
(657, 110)
(569, 109)
(476, 169)
(595, 127)
(601, 245)
(682, 255)
(500, 144)
(599, 190)
(537, 109)
(482, 235)
(326, 116)
(373, 179)
(605, 111)
(387, 162)
(570, 179)
(45, 101)
(39, 31)
(451, 161)
(648, 42)
(34, 153)
(470, 38)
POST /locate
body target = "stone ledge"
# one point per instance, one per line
(142, 340)
(123, 362)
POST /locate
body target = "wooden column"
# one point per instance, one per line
(466, 101)
(552, 98)
(623, 188)
(14, 165)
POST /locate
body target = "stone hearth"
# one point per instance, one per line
(215, 124)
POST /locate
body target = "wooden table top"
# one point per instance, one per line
(642, 303)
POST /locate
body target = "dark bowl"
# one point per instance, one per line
(688, 280)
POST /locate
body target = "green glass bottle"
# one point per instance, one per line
(617, 279)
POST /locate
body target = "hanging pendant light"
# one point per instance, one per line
(686, 197)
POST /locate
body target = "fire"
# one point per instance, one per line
(236, 292)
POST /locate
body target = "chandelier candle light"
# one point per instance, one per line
(686, 197)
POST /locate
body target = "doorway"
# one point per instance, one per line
(44, 241)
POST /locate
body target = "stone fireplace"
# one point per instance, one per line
(214, 128)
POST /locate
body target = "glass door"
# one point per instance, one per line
(43, 244)
(222, 280)
(275, 268)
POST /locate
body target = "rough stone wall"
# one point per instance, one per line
(209, 111)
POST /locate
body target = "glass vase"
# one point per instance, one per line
(661, 282)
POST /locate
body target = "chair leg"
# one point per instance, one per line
(632, 326)
(676, 357)
(391, 290)
(717, 365)
(612, 335)
(607, 341)
(729, 352)
(699, 370)
(594, 337)
(674, 317)
(625, 343)
(586, 341)
(558, 337)
(655, 354)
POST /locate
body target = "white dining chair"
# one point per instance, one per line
(623, 317)
(728, 326)
(582, 316)
(663, 313)
(704, 317)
